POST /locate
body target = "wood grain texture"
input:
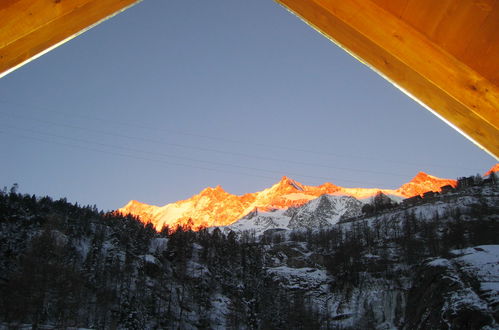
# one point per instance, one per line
(30, 27)
(466, 29)
(396, 7)
(410, 58)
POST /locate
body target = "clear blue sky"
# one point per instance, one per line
(170, 97)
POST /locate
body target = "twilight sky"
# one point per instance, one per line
(170, 97)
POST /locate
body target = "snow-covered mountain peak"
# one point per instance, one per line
(134, 203)
(325, 211)
(328, 186)
(286, 182)
(217, 191)
(325, 201)
(422, 183)
(138, 209)
(422, 177)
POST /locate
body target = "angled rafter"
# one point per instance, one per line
(29, 28)
(413, 44)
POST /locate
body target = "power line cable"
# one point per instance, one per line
(138, 157)
(355, 170)
(144, 126)
(185, 158)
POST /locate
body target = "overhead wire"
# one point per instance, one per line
(137, 157)
(266, 145)
(252, 156)
(16, 129)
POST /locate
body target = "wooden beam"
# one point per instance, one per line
(29, 28)
(444, 84)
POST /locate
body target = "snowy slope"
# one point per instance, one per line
(433, 265)
(323, 211)
(464, 287)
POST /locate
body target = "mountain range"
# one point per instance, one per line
(429, 263)
(216, 207)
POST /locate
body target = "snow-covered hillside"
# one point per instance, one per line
(429, 265)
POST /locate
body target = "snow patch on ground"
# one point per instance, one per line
(483, 262)
(150, 259)
(158, 245)
(220, 309)
(82, 245)
(440, 262)
(299, 277)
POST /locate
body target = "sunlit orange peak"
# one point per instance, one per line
(422, 183)
(494, 169)
(217, 189)
(216, 207)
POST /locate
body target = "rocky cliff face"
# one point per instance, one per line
(464, 287)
